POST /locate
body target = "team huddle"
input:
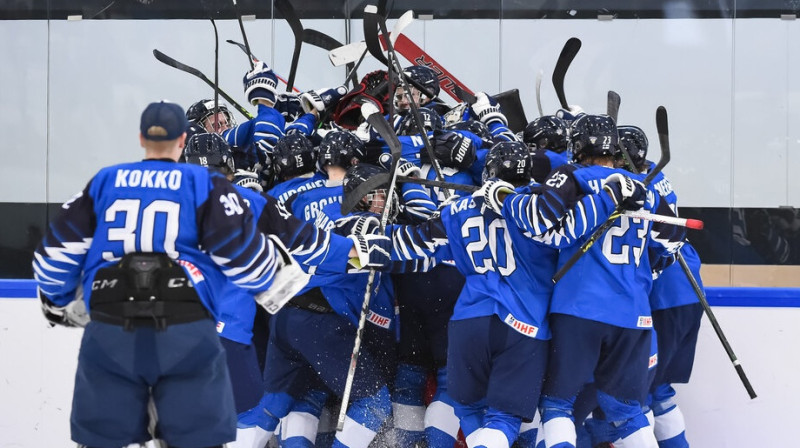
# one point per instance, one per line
(378, 259)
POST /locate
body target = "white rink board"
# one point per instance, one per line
(38, 367)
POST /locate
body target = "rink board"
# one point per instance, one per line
(38, 366)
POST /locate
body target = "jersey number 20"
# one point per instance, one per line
(500, 253)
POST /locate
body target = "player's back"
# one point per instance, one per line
(152, 206)
(507, 273)
(611, 281)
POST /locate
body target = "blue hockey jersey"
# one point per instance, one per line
(155, 206)
(612, 280)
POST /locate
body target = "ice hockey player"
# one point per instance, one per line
(312, 248)
(676, 311)
(136, 247)
(607, 337)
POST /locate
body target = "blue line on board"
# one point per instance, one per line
(717, 296)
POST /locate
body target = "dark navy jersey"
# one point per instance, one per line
(187, 212)
(313, 249)
(611, 282)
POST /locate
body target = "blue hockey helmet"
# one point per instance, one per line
(593, 135)
(633, 140)
(293, 156)
(547, 132)
(209, 150)
(509, 161)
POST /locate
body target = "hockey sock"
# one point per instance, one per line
(557, 422)
(299, 427)
(670, 427)
(528, 433)
(274, 406)
(630, 426)
(441, 423)
(499, 430)
(326, 430)
(364, 418)
(408, 407)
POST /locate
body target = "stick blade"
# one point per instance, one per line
(568, 53)
(463, 95)
(612, 108)
(371, 19)
(663, 134)
(350, 201)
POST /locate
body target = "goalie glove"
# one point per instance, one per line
(289, 279)
(321, 99)
(71, 315)
(487, 109)
(493, 192)
(373, 251)
(628, 193)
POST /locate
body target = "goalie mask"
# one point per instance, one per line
(293, 156)
(509, 161)
(593, 135)
(201, 113)
(547, 132)
(633, 140)
(210, 151)
(373, 201)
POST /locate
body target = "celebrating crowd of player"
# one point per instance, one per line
(463, 297)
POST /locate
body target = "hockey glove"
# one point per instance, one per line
(260, 83)
(322, 99)
(366, 133)
(289, 105)
(407, 169)
(248, 179)
(289, 279)
(569, 115)
(374, 251)
(628, 193)
(487, 109)
(71, 315)
(493, 192)
(452, 149)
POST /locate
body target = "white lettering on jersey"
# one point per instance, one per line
(148, 179)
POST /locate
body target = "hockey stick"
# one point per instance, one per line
(694, 224)
(372, 39)
(414, 54)
(328, 43)
(612, 107)
(376, 120)
(357, 50)
(195, 72)
(290, 15)
(255, 59)
(539, 92)
(371, 19)
(510, 105)
(564, 60)
(663, 138)
(717, 329)
(244, 35)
